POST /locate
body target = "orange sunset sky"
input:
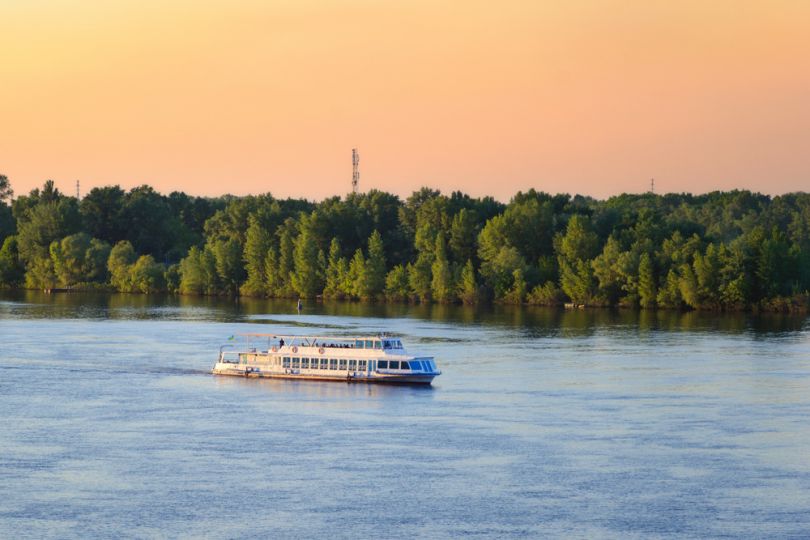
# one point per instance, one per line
(248, 96)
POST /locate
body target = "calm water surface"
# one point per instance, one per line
(544, 424)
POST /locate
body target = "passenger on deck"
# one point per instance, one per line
(280, 342)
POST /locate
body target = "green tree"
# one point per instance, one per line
(151, 226)
(172, 278)
(577, 281)
(646, 282)
(6, 193)
(463, 234)
(193, 278)
(528, 223)
(688, 286)
(8, 226)
(45, 222)
(375, 266)
(547, 294)
(442, 283)
(102, 213)
(335, 271)
(50, 193)
(272, 277)
(500, 256)
(734, 275)
(121, 258)
(78, 258)
(707, 273)
(517, 294)
(420, 276)
(775, 265)
(228, 262)
(306, 277)
(669, 295)
(357, 275)
(39, 273)
(257, 243)
(147, 276)
(396, 284)
(608, 272)
(12, 270)
(286, 260)
(467, 286)
(575, 251)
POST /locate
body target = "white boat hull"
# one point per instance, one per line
(257, 371)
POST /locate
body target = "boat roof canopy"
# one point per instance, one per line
(327, 338)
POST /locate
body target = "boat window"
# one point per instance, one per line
(296, 362)
(324, 363)
(342, 363)
(361, 365)
(358, 344)
(333, 363)
(369, 344)
(286, 361)
(382, 364)
(413, 366)
(428, 365)
(386, 344)
(352, 365)
(393, 364)
(305, 363)
(376, 344)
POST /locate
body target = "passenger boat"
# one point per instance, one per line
(368, 359)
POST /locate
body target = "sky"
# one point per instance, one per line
(255, 96)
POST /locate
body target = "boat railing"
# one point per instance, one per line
(229, 357)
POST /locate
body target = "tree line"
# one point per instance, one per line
(719, 251)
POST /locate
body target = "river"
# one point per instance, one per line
(544, 423)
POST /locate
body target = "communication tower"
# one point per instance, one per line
(652, 185)
(77, 190)
(355, 169)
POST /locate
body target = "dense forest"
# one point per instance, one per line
(719, 251)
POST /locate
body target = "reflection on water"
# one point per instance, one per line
(538, 321)
(320, 390)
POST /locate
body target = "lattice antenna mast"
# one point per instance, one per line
(355, 169)
(652, 185)
(77, 190)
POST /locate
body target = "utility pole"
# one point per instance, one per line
(355, 169)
